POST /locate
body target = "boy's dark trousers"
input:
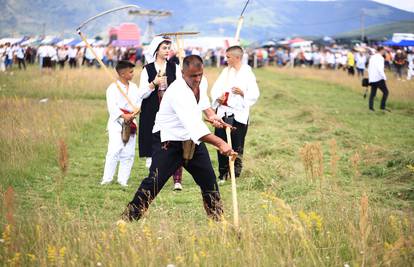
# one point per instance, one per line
(237, 140)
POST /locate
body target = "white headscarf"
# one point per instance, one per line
(149, 53)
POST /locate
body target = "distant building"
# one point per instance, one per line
(127, 34)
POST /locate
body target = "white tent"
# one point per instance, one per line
(82, 44)
(10, 40)
(30, 41)
(65, 41)
(208, 42)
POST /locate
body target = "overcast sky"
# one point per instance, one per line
(401, 4)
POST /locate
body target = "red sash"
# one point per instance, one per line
(133, 125)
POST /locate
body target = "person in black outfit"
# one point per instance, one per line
(156, 76)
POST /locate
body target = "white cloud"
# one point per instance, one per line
(407, 5)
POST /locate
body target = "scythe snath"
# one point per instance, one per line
(136, 110)
(232, 159)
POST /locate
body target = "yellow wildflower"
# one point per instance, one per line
(179, 259)
(121, 226)
(31, 257)
(51, 254)
(6, 234)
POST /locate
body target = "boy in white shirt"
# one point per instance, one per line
(233, 93)
(120, 110)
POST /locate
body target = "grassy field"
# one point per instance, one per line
(325, 183)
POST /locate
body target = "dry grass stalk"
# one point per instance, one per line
(9, 205)
(392, 256)
(333, 148)
(312, 159)
(355, 160)
(362, 233)
(63, 157)
(364, 229)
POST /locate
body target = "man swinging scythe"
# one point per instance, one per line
(122, 101)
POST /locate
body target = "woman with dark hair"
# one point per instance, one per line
(156, 76)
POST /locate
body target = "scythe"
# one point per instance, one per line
(109, 73)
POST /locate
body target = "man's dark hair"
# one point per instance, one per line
(192, 60)
(380, 48)
(235, 49)
(124, 64)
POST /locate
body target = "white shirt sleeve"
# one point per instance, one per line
(217, 89)
(111, 102)
(189, 114)
(178, 73)
(381, 69)
(252, 93)
(144, 89)
(204, 102)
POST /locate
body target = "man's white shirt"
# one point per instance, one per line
(376, 68)
(360, 61)
(115, 101)
(180, 116)
(237, 104)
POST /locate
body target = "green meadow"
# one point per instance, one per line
(325, 182)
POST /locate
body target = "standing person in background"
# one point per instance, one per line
(20, 55)
(376, 77)
(41, 54)
(120, 111)
(410, 59)
(62, 55)
(399, 63)
(233, 93)
(388, 60)
(9, 56)
(156, 76)
(350, 63)
(72, 55)
(361, 61)
(110, 54)
(2, 58)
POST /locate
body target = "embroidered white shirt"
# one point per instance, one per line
(237, 104)
(115, 101)
(180, 116)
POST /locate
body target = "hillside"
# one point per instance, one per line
(384, 31)
(263, 19)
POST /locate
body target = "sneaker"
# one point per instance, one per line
(123, 185)
(177, 187)
(221, 182)
(371, 109)
(386, 109)
(105, 182)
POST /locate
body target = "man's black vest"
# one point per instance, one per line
(149, 109)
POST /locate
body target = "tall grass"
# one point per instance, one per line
(70, 220)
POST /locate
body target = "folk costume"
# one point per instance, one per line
(151, 99)
(178, 121)
(118, 151)
(235, 110)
